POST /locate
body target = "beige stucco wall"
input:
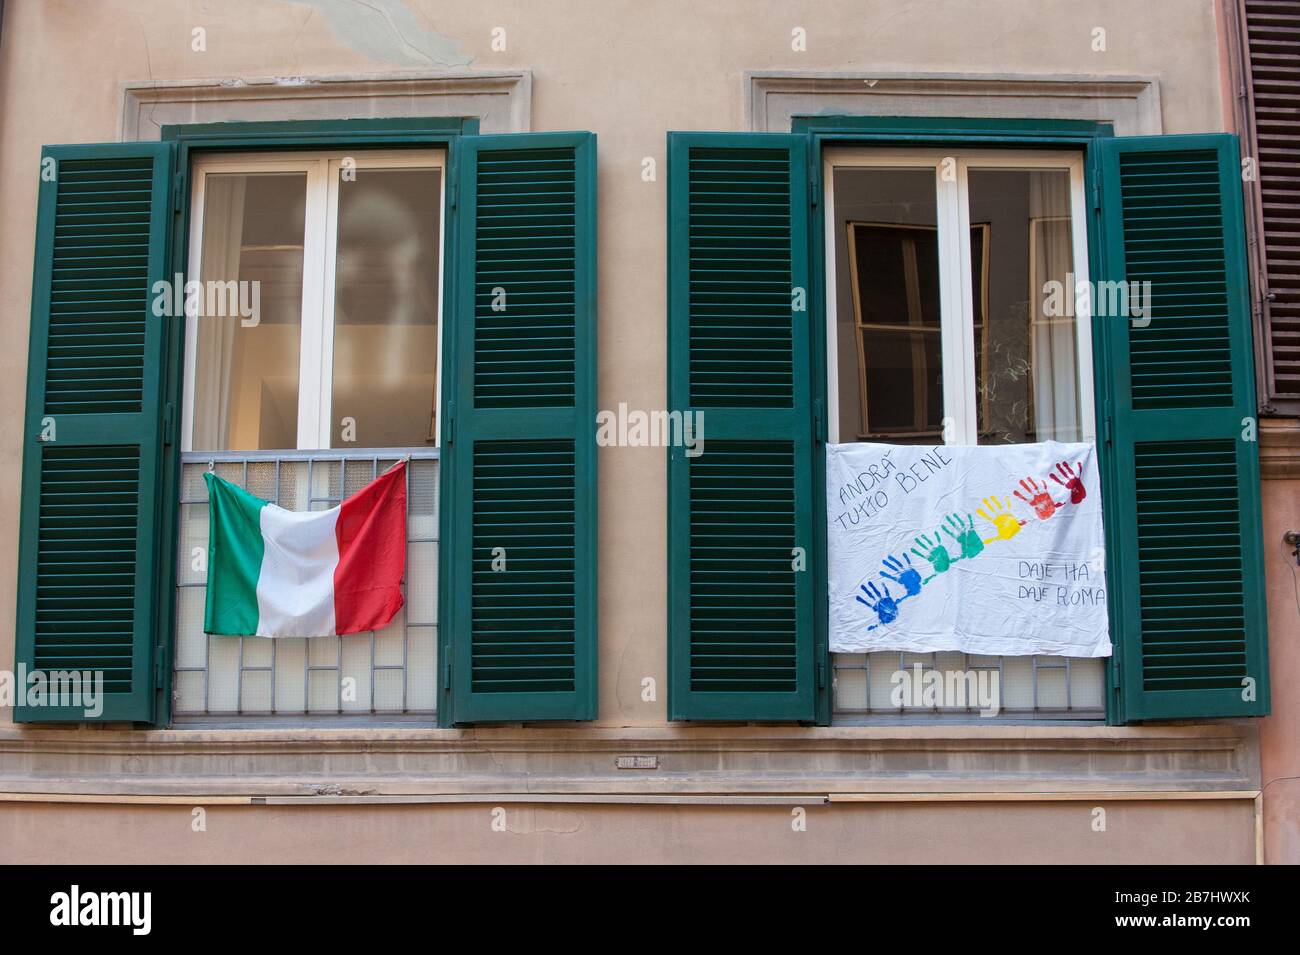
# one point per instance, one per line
(1185, 832)
(629, 70)
(625, 69)
(1279, 733)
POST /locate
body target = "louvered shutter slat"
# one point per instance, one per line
(522, 454)
(88, 593)
(1185, 512)
(741, 614)
(1273, 51)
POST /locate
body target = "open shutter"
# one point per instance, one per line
(741, 603)
(88, 565)
(1272, 87)
(1185, 519)
(521, 432)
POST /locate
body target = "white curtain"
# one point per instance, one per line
(223, 234)
(1052, 337)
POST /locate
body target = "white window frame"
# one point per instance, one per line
(320, 239)
(956, 305)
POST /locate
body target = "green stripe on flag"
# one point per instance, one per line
(235, 549)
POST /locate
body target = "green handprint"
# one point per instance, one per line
(963, 532)
(933, 551)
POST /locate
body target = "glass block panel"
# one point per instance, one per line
(421, 669)
(296, 677)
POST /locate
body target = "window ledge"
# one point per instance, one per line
(1220, 757)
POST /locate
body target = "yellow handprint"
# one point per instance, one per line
(999, 514)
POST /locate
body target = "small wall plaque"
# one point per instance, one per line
(636, 762)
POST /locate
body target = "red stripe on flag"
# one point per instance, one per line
(371, 533)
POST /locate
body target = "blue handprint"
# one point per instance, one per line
(881, 601)
(903, 574)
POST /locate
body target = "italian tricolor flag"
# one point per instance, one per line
(279, 573)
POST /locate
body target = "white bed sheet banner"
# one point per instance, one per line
(988, 550)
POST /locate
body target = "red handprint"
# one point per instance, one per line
(1038, 498)
(1073, 481)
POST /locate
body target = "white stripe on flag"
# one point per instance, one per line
(295, 590)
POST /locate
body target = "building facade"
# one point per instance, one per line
(610, 277)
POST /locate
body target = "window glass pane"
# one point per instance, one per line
(386, 309)
(888, 342)
(246, 377)
(1026, 360)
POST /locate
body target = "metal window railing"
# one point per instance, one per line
(1028, 688)
(371, 677)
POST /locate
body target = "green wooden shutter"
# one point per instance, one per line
(88, 562)
(740, 614)
(1186, 569)
(519, 442)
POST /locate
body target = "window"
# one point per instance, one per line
(938, 333)
(939, 264)
(896, 327)
(312, 359)
(339, 257)
(751, 228)
(334, 261)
